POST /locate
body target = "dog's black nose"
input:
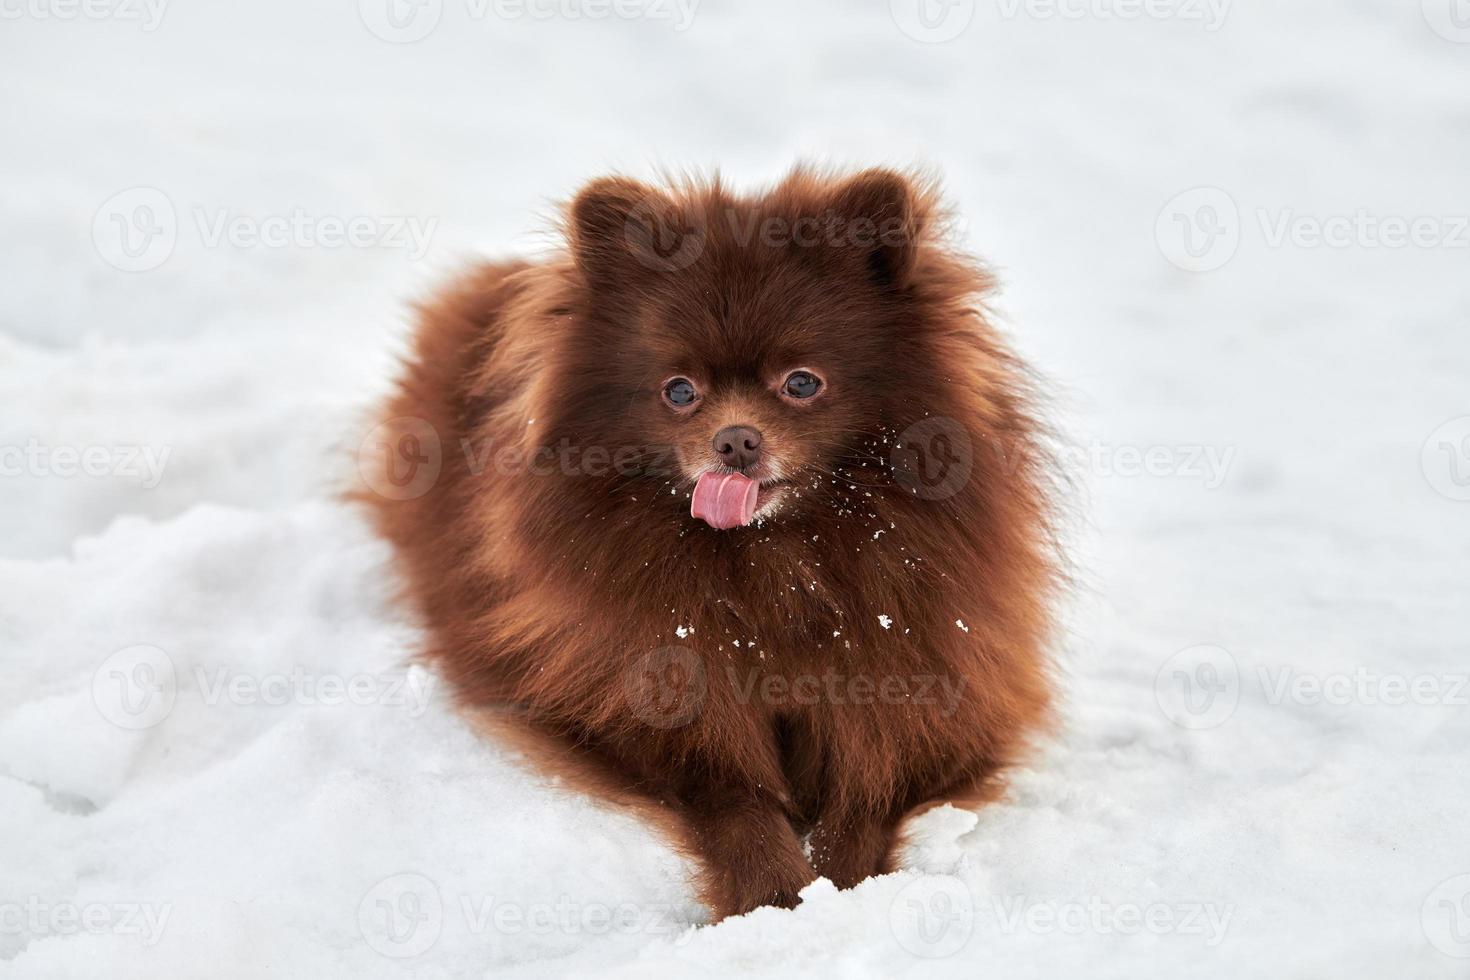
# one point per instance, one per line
(738, 446)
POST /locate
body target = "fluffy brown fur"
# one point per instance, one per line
(742, 679)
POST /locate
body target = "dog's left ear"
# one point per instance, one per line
(882, 219)
(621, 229)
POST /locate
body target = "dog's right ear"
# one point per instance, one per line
(621, 228)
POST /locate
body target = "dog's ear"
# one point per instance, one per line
(599, 218)
(881, 220)
(621, 228)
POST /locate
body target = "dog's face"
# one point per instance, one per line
(772, 386)
(765, 337)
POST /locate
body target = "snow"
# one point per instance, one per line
(212, 747)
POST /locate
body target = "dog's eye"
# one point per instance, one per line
(802, 384)
(680, 393)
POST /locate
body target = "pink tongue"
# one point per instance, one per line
(724, 500)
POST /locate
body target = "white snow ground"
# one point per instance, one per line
(1298, 810)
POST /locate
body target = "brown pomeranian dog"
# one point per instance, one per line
(741, 500)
